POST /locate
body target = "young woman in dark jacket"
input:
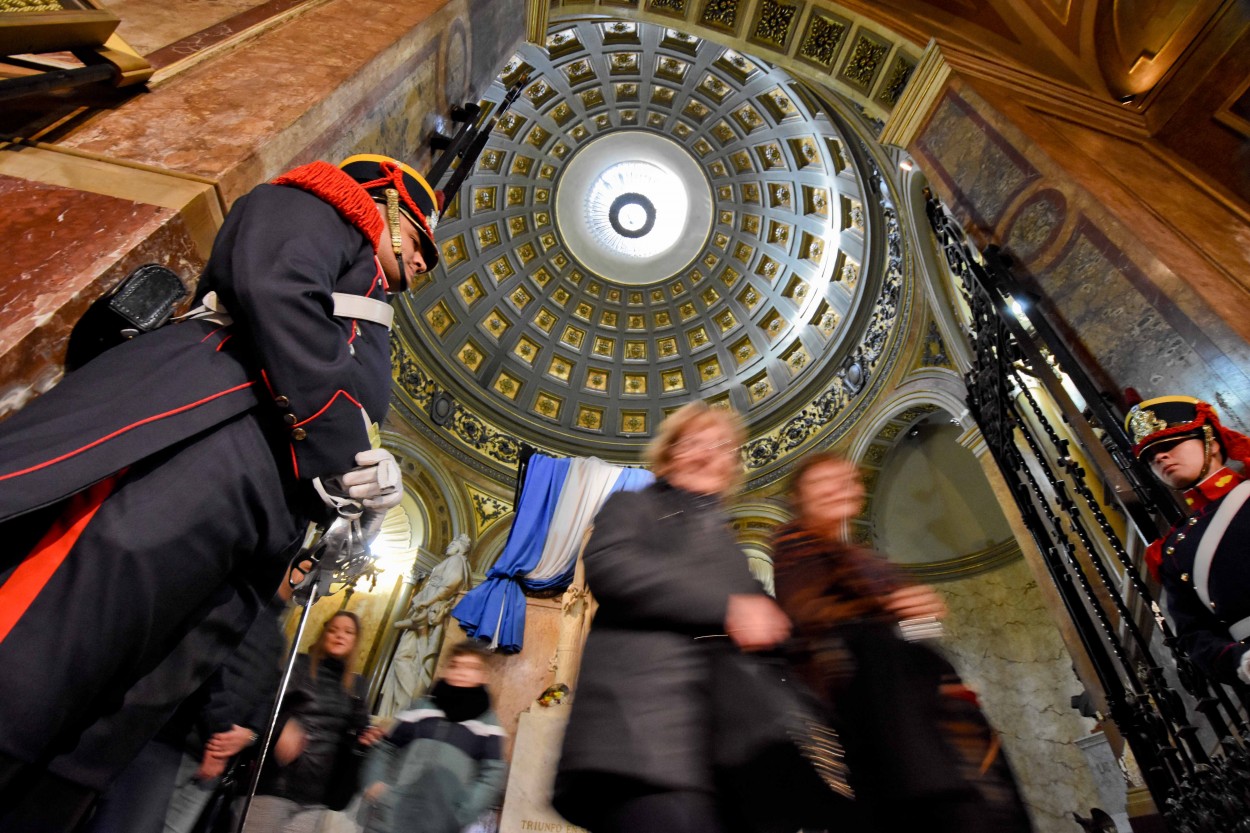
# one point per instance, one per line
(921, 755)
(323, 722)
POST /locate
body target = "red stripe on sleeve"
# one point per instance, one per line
(326, 406)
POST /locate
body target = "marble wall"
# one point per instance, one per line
(1114, 290)
(74, 227)
(1001, 639)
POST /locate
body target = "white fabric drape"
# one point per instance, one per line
(589, 482)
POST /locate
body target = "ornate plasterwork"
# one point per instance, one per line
(850, 53)
(823, 38)
(818, 423)
(896, 79)
(827, 417)
(536, 348)
(721, 14)
(774, 23)
(933, 353)
(487, 509)
(868, 54)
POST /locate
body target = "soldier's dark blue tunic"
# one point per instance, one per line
(1202, 630)
(151, 499)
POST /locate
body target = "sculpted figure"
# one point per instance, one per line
(412, 668)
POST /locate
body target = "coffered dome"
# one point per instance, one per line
(658, 219)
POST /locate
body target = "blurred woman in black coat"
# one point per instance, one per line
(671, 582)
(323, 722)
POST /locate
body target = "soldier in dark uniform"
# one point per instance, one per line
(150, 501)
(1202, 561)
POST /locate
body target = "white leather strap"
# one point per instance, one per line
(1212, 537)
(210, 309)
(1240, 630)
(345, 306)
(212, 302)
(364, 309)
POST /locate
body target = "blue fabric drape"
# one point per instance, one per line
(634, 480)
(495, 609)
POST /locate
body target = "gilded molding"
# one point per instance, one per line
(536, 12)
(914, 106)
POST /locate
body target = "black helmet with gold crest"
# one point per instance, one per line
(1166, 419)
(404, 190)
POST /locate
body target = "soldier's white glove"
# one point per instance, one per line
(375, 484)
(1243, 668)
(376, 481)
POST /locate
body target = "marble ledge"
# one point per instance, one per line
(64, 248)
(239, 118)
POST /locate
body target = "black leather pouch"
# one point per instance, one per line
(144, 300)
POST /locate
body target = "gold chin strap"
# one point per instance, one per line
(397, 237)
(1207, 439)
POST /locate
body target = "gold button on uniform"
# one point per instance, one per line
(1184, 576)
(299, 434)
(289, 419)
(281, 401)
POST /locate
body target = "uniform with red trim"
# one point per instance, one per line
(151, 499)
(1204, 561)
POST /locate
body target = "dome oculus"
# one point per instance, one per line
(633, 207)
(637, 209)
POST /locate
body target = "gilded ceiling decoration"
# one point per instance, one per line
(657, 220)
(851, 53)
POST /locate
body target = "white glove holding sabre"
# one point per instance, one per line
(374, 484)
(366, 492)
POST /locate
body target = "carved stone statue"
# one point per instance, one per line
(412, 667)
(577, 608)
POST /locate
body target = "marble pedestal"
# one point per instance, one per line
(527, 804)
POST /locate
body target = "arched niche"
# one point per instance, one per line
(932, 509)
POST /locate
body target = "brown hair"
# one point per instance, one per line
(473, 648)
(806, 464)
(659, 452)
(318, 652)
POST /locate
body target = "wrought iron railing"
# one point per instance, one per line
(1059, 444)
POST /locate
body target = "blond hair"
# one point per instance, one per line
(659, 453)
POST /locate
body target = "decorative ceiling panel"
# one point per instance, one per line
(759, 315)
